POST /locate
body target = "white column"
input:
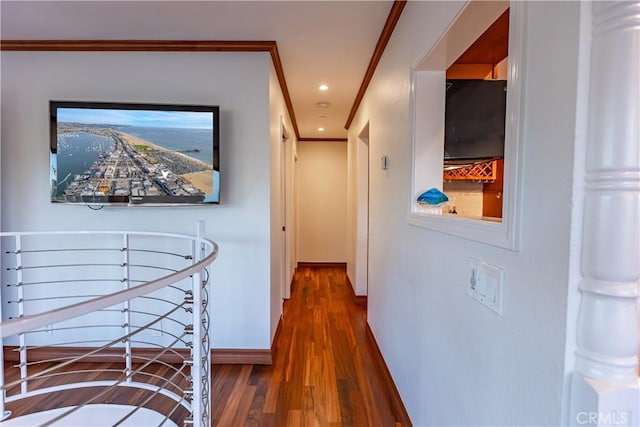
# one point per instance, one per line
(606, 389)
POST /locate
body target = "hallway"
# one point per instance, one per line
(323, 373)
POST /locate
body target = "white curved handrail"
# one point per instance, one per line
(132, 384)
(31, 322)
(193, 267)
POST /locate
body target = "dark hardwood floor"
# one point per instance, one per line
(323, 373)
(107, 371)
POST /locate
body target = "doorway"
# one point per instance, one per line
(287, 158)
(362, 213)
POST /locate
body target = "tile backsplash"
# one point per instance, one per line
(465, 197)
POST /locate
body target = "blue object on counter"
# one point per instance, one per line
(432, 197)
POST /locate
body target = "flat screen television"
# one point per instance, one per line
(134, 154)
(474, 120)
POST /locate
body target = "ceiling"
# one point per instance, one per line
(319, 42)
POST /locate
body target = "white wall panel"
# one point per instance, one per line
(237, 82)
(322, 201)
(282, 167)
(454, 361)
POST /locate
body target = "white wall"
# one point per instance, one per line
(238, 82)
(321, 188)
(454, 361)
(282, 257)
(358, 212)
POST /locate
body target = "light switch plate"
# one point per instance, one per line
(486, 284)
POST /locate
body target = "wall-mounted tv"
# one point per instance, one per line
(474, 120)
(134, 154)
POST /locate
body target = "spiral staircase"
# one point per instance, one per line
(105, 328)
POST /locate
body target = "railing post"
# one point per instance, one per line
(128, 355)
(200, 402)
(22, 337)
(3, 414)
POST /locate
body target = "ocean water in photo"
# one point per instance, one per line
(196, 143)
(76, 153)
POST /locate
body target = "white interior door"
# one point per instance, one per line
(363, 219)
(286, 156)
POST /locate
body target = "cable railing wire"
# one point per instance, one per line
(96, 396)
(38, 331)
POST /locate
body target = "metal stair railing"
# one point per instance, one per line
(75, 301)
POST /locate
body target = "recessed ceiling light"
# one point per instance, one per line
(320, 129)
(323, 87)
(323, 104)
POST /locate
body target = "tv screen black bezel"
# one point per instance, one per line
(130, 200)
(483, 147)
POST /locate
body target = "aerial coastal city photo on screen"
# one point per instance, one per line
(134, 153)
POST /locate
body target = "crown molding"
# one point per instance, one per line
(162, 46)
(269, 46)
(138, 45)
(385, 35)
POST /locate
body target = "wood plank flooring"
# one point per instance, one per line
(323, 372)
(107, 371)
